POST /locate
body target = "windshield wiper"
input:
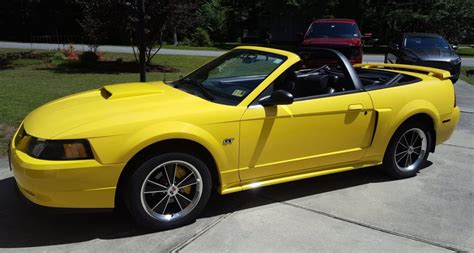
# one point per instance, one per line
(201, 87)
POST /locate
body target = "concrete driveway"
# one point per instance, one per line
(354, 211)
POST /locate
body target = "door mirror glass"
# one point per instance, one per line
(454, 47)
(278, 97)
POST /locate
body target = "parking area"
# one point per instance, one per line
(360, 210)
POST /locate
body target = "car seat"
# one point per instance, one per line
(287, 83)
(312, 85)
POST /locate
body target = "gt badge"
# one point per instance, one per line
(228, 141)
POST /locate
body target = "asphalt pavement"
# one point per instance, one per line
(357, 211)
(466, 61)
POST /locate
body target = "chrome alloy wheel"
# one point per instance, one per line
(410, 149)
(171, 190)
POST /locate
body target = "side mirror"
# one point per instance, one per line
(394, 46)
(454, 47)
(278, 97)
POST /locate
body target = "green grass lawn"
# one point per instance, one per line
(465, 51)
(468, 79)
(28, 83)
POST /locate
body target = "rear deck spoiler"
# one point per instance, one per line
(439, 73)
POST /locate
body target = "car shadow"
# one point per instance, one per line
(27, 225)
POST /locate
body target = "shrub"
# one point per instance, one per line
(89, 57)
(3, 60)
(58, 56)
(185, 42)
(71, 54)
(201, 37)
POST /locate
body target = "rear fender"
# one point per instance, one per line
(389, 123)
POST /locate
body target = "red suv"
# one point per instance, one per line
(342, 35)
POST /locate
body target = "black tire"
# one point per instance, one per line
(141, 210)
(398, 164)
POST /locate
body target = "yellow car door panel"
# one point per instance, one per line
(309, 133)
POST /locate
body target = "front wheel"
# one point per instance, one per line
(168, 191)
(408, 150)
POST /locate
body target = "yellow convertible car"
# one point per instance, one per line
(250, 118)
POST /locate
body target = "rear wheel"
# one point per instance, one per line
(408, 150)
(168, 191)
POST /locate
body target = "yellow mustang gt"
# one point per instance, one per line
(250, 118)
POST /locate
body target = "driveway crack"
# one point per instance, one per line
(358, 223)
(200, 233)
(456, 146)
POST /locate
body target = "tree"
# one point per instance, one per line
(452, 19)
(97, 20)
(212, 17)
(160, 15)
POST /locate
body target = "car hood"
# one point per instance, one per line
(433, 54)
(332, 41)
(113, 110)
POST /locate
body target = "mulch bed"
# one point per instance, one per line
(106, 66)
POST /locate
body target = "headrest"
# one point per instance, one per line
(316, 82)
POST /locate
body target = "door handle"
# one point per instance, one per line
(355, 107)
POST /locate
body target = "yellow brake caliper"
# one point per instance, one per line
(181, 174)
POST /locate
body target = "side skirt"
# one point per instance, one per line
(257, 183)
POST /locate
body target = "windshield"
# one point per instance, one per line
(333, 30)
(231, 77)
(425, 42)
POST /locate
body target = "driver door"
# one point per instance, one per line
(308, 134)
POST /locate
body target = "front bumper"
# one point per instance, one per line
(69, 184)
(455, 72)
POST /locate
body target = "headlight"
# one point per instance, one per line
(456, 61)
(59, 149)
